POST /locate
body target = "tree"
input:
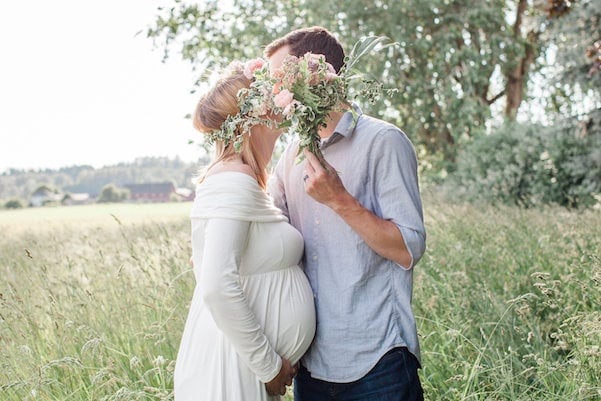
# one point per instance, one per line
(85, 179)
(110, 193)
(454, 59)
(575, 73)
(13, 204)
(43, 189)
(530, 164)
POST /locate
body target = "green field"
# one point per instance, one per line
(101, 214)
(93, 300)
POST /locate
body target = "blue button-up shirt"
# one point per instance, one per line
(363, 301)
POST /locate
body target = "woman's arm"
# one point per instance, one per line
(224, 243)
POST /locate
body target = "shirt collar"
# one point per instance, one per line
(347, 124)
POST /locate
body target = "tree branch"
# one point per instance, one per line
(495, 98)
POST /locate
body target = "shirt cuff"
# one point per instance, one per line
(415, 243)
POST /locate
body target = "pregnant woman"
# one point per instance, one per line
(252, 314)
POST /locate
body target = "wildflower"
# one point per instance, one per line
(251, 66)
(283, 99)
(304, 91)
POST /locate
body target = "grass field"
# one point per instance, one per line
(93, 300)
(101, 214)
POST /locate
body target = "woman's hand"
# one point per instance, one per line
(277, 386)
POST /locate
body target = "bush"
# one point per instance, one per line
(529, 164)
(13, 204)
(111, 194)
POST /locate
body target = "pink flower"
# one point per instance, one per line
(289, 109)
(315, 65)
(314, 60)
(251, 66)
(283, 99)
(330, 73)
(330, 76)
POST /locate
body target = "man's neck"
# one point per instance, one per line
(332, 121)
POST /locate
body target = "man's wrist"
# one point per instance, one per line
(346, 205)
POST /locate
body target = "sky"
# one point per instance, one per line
(78, 86)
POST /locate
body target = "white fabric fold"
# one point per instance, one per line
(225, 215)
(252, 304)
(239, 198)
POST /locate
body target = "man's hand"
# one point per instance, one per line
(277, 386)
(323, 184)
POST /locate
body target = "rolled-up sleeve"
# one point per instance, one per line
(397, 189)
(223, 243)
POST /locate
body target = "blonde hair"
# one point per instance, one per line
(213, 109)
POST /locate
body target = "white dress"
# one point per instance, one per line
(252, 302)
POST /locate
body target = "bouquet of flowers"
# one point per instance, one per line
(307, 89)
(304, 91)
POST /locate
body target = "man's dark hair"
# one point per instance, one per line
(315, 39)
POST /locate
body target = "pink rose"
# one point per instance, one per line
(330, 76)
(314, 60)
(276, 88)
(315, 63)
(289, 109)
(283, 99)
(251, 66)
(330, 68)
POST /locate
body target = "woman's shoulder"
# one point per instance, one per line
(228, 177)
(232, 193)
(229, 168)
(228, 182)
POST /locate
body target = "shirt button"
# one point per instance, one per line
(314, 257)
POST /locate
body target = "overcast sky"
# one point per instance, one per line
(77, 86)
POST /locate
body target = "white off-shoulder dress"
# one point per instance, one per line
(252, 302)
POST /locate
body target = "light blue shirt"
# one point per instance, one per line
(363, 301)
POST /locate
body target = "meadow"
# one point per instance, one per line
(93, 300)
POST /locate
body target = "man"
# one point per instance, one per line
(362, 222)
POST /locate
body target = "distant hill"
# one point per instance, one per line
(74, 179)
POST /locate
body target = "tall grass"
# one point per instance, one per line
(93, 311)
(507, 302)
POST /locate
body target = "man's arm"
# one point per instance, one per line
(324, 185)
(398, 235)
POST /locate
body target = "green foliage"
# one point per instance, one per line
(528, 164)
(93, 311)
(573, 73)
(46, 188)
(110, 193)
(442, 68)
(211, 34)
(505, 301)
(13, 204)
(22, 183)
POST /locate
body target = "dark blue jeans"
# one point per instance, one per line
(394, 378)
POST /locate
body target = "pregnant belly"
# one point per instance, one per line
(282, 302)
